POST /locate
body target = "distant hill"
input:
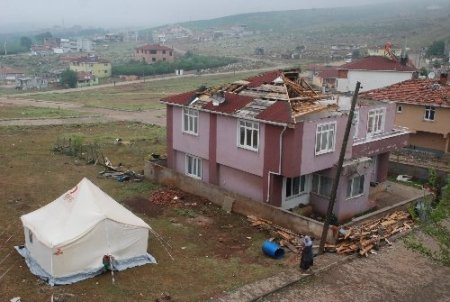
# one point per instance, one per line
(420, 21)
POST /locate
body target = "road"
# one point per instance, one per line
(394, 274)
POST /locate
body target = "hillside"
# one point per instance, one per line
(420, 21)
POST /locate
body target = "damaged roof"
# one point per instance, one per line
(279, 96)
(418, 92)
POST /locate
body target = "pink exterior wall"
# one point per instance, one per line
(240, 182)
(292, 149)
(180, 164)
(364, 114)
(197, 145)
(310, 162)
(228, 152)
(344, 208)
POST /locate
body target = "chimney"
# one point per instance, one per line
(444, 78)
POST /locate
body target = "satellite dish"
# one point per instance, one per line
(431, 75)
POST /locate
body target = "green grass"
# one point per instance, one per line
(35, 176)
(139, 96)
(37, 112)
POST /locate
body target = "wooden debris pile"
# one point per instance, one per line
(286, 238)
(367, 237)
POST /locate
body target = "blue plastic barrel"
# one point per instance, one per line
(272, 249)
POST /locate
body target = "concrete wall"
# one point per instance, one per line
(243, 183)
(412, 117)
(429, 140)
(371, 79)
(241, 205)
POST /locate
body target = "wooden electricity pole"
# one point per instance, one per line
(326, 225)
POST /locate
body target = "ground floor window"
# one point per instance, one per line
(193, 166)
(355, 186)
(294, 186)
(322, 185)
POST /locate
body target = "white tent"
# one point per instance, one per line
(66, 240)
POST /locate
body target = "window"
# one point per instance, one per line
(153, 52)
(164, 59)
(322, 185)
(106, 64)
(248, 135)
(429, 113)
(399, 108)
(355, 186)
(106, 71)
(170, 53)
(30, 236)
(325, 137)
(153, 59)
(193, 166)
(190, 121)
(164, 52)
(355, 123)
(375, 122)
(295, 186)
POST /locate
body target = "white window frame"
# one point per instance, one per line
(190, 121)
(376, 126)
(320, 181)
(355, 188)
(193, 166)
(246, 135)
(289, 184)
(430, 111)
(399, 108)
(327, 130)
(355, 123)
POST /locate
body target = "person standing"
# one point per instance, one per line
(307, 259)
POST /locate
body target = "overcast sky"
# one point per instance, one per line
(139, 13)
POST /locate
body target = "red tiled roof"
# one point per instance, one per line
(328, 72)
(377, 63)
(421, 92)
(153, 47)
(279, 112)
(180, 99)
(233, 102)
(264, 78)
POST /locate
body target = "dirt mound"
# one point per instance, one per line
(167, 196)
(143, 205)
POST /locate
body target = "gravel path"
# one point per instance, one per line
(394, 274)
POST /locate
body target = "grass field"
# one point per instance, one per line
(10, 112)
(140, 96)
(213, 251)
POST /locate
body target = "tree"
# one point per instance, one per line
(26, 42)
(69, 78)
(436, 49)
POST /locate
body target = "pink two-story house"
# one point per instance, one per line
(273, 139)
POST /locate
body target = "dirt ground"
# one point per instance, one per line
(394, 274)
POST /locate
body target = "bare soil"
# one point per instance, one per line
(394, 274)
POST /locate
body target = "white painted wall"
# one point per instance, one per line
(371, 79)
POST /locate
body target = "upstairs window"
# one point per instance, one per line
(325, 138)
(375, 121)
(355, 186)
(193, 166)
(153, 52)
(190, 121)
(248, 135)
(295, 186)
(399, 108)
(322, 185)
(429, 113)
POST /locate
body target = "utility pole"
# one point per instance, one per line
(326, 225)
